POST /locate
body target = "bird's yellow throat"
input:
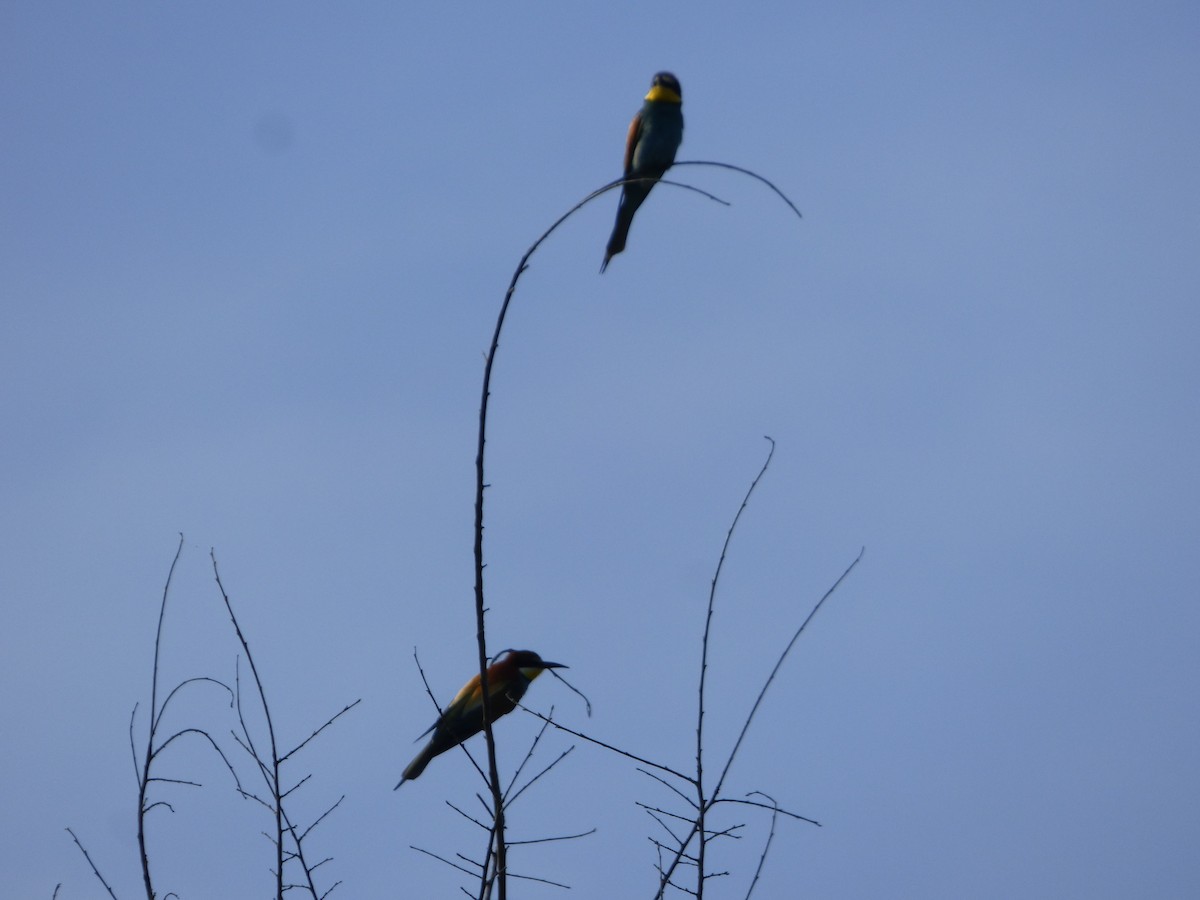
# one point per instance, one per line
(660, 94)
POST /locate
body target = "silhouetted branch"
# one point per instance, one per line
(775, 808)
(712, 597)
(686, 799)
(525, 761)
(270, 771)
(319, 820)
(148, 761)
(198, 678)
(539, 880)
(270, 767)
(762, 859)
(573, 689)
(778, 665)
(513, 799)
(606, 746)
(345, 709)
(706, 801)
(755, 175)
(481, 485)
(468, 816)
(88, 857)
(446, 861)
(557, 837)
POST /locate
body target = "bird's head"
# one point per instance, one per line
(528, 663)
(665, 86)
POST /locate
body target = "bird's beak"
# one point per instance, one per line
(550, 665)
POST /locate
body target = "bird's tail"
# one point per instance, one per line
(417, 766)
(632, 196)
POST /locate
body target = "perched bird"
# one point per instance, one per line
(654, 135)
(508, 679)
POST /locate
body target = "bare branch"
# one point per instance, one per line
(318, 821)
(537, 738)
(185, 683)
(559, 837)
(775, 808)
(778, 665)
(155, 713)
(600, 743)
(686, 799)
(273, 780)
(345, 709)
(444, 860)
(509, 802)
(468, 816)
(88, 857)
(572, 688)
(722, 165)
(762, 859)
(539, 880)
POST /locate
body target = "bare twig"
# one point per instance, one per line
(270, 770)
(606, 746)
(511, 800)
(557, 837)
(723, 165)
(537, 738)
(684, 797)
(779, 664)
(762, 860)
(573, 689)
(345, 709)
(270, 767)
(95, 871)
(468, 816)
(702, 802)
(148, 760)
(705, 802)
(775, 808)
(444, 860)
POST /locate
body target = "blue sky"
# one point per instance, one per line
(250, 259)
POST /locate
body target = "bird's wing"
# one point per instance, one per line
(470, 696)
(635, 128)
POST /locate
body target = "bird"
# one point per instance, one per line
(508, 679)
(654, 137)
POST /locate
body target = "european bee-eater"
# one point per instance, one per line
(508, 679)
(654, 135)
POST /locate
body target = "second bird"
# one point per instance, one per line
(654, 137)
(508, 679)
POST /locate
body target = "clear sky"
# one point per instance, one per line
(250, 258)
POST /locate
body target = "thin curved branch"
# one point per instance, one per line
(175, 690)
(262, 696)
(712, 599)
(762, 860)
(212, 742)
(720, 165)
(480, 485)
(774, 808)
(155, 713)
(778, 665)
